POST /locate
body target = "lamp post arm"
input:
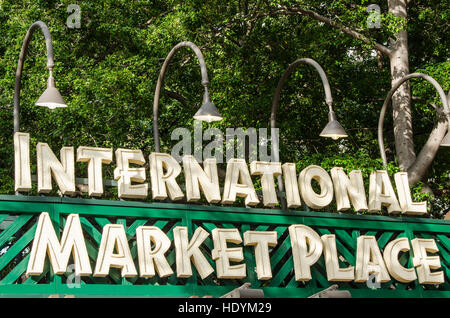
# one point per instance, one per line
(289, 70)
(50, 64)
(276, 100)
(435, 84)
(205, 83)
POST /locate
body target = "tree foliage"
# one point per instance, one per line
(107, 71)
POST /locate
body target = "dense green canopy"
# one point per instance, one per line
(107, 71)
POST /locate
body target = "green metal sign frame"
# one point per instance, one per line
(19, 214)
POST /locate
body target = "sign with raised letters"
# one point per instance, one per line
(173, 247)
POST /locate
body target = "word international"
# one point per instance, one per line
(348, 190)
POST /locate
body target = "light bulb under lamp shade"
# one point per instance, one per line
(208, 112)
(446, 141)
(333, 129)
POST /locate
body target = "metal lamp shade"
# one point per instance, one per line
(333, 129)
(51, 98)
(446, 141)
(208, 112)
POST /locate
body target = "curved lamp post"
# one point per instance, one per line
(444, 142)
(207, 112)
(332, 130)
(51, 97)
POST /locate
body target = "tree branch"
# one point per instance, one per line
(290, 10)
(176, 96)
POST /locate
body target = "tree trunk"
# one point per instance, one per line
(401, 101)
(418, 170)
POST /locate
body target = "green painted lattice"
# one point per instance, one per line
(18, 217)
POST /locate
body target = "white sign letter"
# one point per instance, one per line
(334, 273)
(72, 242)
(48, 165)
(238, 183)
(425, 263)
(164, 182)
(186, 251)
(125, 175)
(312, 199)
(261, 240)
(196, 178)
(382, 193)
(345, 187)
(291, 185)
(95, 157)
(114, 239)
(267, 170)
(306, 250)
(223, 254)
(390, 254)
(22, 173)
(369, 260)
(404, 196)
(149, 257)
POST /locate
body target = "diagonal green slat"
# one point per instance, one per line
(282, 273)
(384, 238)
(276, 258)
(170, 232)
(426, 235)
(16, 272)
(17, 247)
(355, 234)
(445, 255)
(249, 258)
(102, 221)
(132, 228)
(93, 251)
(208, 226)
(280, 252)
(91, 230)
(342, 249)
(208, 242)
(228, 225)
(14, 227)
(283, 249)
(444, 240)
(123, 221)
(102, 280)
(317, 277)
(343, 235)
(3, 217)
(33, 280)
(160, 223)
(134, 253)
(280, 231)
